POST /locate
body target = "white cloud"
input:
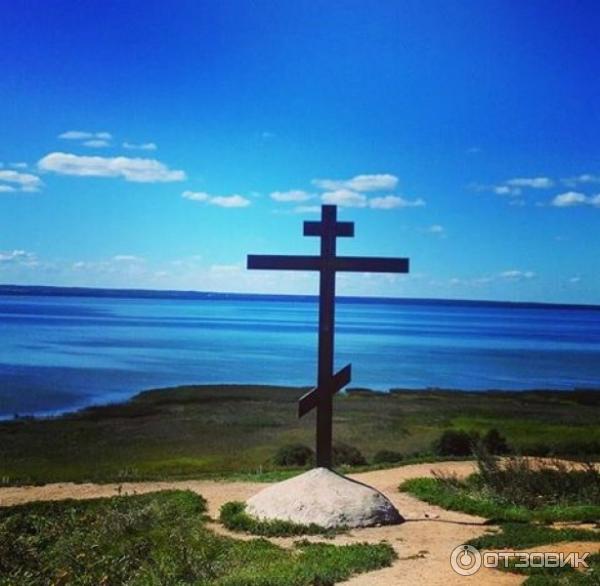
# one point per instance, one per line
(583, 178)
(19, 165)
(506, 190)
(224, 201)
(377, 182)
(96, 143)
(229, 201)
(143, 146)
(569, 199)
(345, 198)
(516, 275)
(21, 257)
(84, 135)
(533, 182)
(131, 169)
(574, 280)
(196, 195)
(389, 202)
(24, 181)
(7, 189)
(294, 195)
(128, 258)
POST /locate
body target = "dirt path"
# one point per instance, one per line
(423, 543)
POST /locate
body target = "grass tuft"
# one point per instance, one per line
(233, 515)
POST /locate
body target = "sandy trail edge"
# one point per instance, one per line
(423, 543)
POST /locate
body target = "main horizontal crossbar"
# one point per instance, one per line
(354, 264)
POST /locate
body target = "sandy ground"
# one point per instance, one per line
(423, 543)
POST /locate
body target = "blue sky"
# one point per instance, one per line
(155, 144)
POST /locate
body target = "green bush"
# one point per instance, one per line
(294, 455)
(233, 515)
(346, 455)
(387, 457)
(495, 443)
(454, 443)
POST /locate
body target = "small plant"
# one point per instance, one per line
(233, 515)
(346, 455)
(294, 455)
(387, 457)
(454, 442)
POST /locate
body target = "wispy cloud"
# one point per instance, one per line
(85, 135)
(294, 195)
(19, 257)
(517, 275)
(128, 258)
(390, 202)
(575, 198)
(345, 198)
(531, 182)
(143, 146)
(18, 181)
(131, 169)
(515, 187)
(584, 178)
(360, 183)
(223, 201)
(96, 143)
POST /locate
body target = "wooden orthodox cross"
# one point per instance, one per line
(328, 263)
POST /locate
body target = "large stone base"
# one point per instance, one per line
(323, 497)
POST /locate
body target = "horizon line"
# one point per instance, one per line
(142, 292)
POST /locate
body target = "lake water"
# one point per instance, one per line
(63, 352)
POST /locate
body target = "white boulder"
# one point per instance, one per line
(326, 498)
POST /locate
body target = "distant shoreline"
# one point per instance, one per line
(55, 291)
(257, 388)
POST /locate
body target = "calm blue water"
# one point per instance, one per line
(59, 353)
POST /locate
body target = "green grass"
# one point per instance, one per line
(526, 535)
(233, 515)
(158, 539)
(222, 431)
(470, 499)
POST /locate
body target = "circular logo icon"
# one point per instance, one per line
(465, 560)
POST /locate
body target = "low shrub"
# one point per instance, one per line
(346, 455)
(387, 457)
(526, 482)
(454, 442)
(495, 443)
(294, 455)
